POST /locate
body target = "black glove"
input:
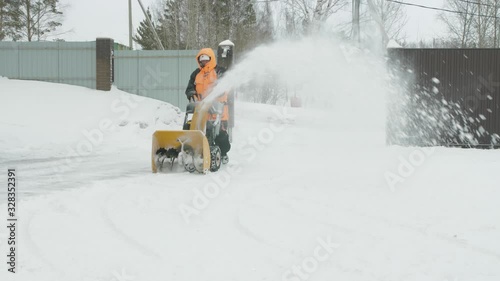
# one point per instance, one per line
(190, 94)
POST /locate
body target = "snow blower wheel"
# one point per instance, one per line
(215, 158)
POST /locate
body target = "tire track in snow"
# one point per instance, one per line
(247, 232)
(33, 245)
(124, 237)
(415, 230)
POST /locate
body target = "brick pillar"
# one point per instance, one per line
(104, 56)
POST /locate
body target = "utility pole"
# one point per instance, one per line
(158, 41)
(130, 24)
(355, 20)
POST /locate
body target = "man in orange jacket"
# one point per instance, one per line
(200, 85)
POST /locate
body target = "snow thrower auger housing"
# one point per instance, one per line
(194, 147)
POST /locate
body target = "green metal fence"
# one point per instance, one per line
(59, 62)
(161, 75)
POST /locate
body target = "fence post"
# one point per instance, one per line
(104, 65)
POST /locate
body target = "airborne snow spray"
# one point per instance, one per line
(344, 82)
(349, 86)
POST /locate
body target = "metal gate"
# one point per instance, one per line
(161, 75)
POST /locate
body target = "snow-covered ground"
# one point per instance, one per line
(310, 193)
(300, 200)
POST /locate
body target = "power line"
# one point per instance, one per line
(441, 9)
(477, 3)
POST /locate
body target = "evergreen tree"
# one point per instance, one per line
(195, 24)
(7, 10)
(247, 32)
(2, 20)
(222, 20)
(145, 36)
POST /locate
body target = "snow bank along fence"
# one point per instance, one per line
(437, 84)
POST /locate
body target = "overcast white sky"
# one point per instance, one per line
(424, 23)
(109, 18)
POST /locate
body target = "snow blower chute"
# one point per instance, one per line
(194, 147)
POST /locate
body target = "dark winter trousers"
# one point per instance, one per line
(222, 140)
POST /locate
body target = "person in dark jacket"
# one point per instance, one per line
(200, 84)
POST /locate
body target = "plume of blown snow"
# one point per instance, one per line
(324, 73)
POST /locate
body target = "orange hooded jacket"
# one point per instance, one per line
(203, 79)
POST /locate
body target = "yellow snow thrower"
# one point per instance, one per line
(194, 147)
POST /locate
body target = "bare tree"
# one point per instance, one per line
(389, 17)
(488, 12)
(473, 23)
(290, 24)
(460, 24)
(485, 22)
(496, 7)
(311, 14)
(265, 23)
